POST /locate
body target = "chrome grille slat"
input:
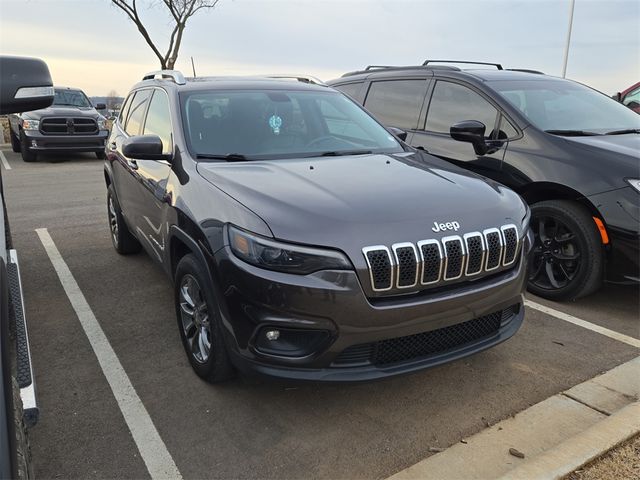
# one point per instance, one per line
(432, 261)
(403, 266)
(474, 243)
(511, 241)
(406, 258)
(454, 257)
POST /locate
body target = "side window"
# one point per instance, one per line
(351, 89)
(507, 131)
(397, 103)
(452, 103)
(136, 112)
(633, 96)
(158, 120)
(125, 110)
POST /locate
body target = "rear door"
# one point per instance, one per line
(398, 102)
(452, 102)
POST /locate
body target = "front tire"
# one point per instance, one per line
(567, 261)
(27, 154)
(15, 142)
(122, 239)
(199, 322)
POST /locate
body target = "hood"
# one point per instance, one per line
(355, 201)
(622, 149)
(63, 111)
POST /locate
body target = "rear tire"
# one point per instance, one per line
(122, 239)
(567, 261)
(15, 142)
(24, 467)
(200, 322)
(27, 155)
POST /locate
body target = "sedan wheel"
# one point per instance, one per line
(195, 319)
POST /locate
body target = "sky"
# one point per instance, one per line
(92, 45)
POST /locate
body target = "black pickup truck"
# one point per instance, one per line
(70, 124)
(25, 85)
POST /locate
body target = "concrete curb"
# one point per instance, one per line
(582, 448)
(555, 436)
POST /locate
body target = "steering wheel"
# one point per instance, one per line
(319, 140)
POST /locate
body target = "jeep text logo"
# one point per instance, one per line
(439, 227)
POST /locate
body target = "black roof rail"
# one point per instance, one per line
(525, 70)
(497, 65)
(371, 68)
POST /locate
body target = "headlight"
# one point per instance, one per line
(635, 183)
(30, 124)
(102, 123)
(284, 257)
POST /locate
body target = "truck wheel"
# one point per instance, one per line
(24, 467)
(123, 240)
(567, 259)
(101, 155)
(27, 155)
(199, 322)
(15, 142)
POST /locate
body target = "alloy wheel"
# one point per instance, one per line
(194, 315)
(113, 220)
(556, 256)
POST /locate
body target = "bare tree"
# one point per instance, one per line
(179, 11)
(112, 100)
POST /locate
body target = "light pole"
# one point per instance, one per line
(566, 47)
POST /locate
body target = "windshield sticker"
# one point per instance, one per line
(275, 122)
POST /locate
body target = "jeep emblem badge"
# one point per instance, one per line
(439, 227)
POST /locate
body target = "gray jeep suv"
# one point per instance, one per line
(303, 239)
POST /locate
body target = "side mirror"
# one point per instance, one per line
(618, 97)
(401, 134)
(470, 131)
(101, 106)
(26, 85)
(144, 147)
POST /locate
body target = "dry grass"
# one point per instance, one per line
(620, 463)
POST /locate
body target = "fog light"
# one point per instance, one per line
(290, 342)
(272, 335)
(34, 144)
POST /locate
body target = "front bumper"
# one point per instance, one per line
(38, 142)
(333, 302)
(620, 210)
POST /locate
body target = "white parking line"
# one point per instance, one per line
(634, 342)
(4, 161)
(152, 449)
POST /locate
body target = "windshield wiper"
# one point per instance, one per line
(229, 157)
(622, 132)
(572, 133)
(344, 152)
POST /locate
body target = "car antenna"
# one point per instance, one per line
(193, 67)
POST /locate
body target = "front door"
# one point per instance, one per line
(451, 103)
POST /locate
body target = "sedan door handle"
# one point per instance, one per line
(112, 146)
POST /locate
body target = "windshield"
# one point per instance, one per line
(561, 105)
(280, 124)
(74, 98)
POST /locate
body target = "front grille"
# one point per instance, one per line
(426, 344)
(68, 126)
(436, 262)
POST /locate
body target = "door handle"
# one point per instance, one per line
(133, 164)
(112, 146)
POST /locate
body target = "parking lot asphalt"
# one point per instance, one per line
(249, 428)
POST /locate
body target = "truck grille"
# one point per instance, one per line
(433, 261)
(68, 126)
(422, 345)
